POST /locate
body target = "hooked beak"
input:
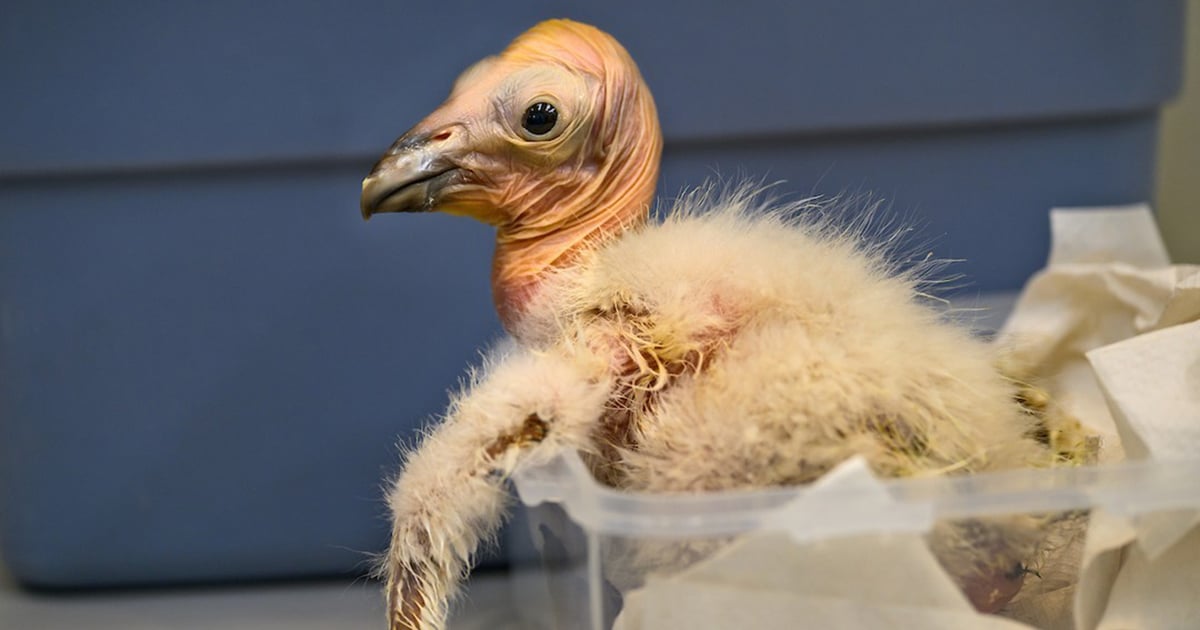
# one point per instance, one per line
(411, 176)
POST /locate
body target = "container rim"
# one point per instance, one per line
(1129, 488)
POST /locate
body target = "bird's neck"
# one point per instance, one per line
(527, 254)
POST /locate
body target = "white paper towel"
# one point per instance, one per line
(1152, 386)
(1108, 280)
(1113, 326)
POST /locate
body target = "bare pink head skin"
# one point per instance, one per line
(549, 193)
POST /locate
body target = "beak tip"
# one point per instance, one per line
(367, 203)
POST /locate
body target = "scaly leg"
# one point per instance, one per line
(451, 494)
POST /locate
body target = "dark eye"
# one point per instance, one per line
(540, 118)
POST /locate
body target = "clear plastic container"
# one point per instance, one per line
(601, 547)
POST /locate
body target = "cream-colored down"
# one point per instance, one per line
(812, 350)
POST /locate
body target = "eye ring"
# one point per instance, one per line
(539, 120)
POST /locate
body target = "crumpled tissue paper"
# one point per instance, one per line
(1108, 279)
(1116, 328)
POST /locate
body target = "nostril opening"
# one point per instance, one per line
(442, 136)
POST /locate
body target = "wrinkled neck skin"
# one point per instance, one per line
(551, 224)
(528, 251)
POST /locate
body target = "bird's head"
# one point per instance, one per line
(555, 141)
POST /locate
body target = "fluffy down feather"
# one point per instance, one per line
(769, 344)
